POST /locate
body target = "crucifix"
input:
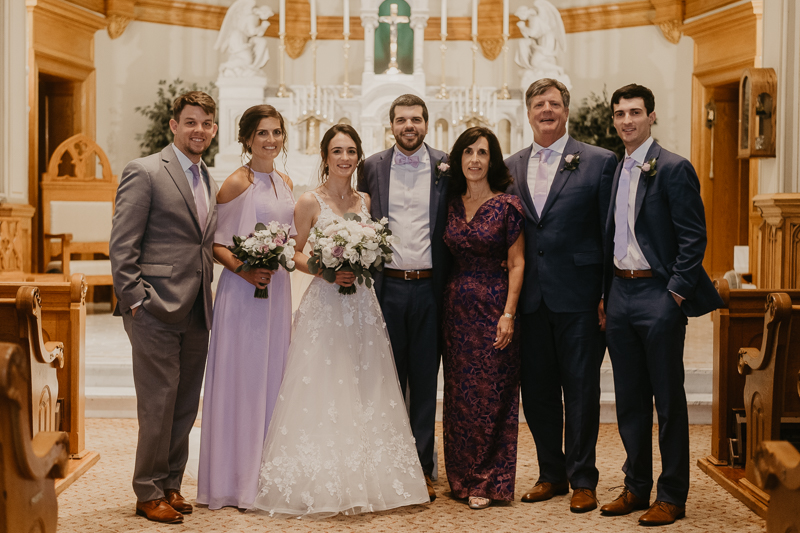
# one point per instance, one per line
(393, 20)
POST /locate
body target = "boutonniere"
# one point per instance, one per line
(648, 168)
(571, 161)
(441, 168)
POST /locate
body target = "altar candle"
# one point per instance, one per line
(444, 18)
(505, 17)
(313, 16)
(282, 20)
(474, 17)
(346, 16)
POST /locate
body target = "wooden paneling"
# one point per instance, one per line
(779, 240)
(695, 8)
(15, 237)
(188, 14)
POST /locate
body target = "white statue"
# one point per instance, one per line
(242, 37)
(543, 38)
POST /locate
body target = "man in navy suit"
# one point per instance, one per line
(654, 279)
(564, 186)
(405, 186)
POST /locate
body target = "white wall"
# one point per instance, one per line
(13, 103)
(129, 68)
(128, 71)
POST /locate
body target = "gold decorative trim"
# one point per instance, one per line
(178, 13)
(491, 47)
(117, 25)
(671, 30)
(295, 45)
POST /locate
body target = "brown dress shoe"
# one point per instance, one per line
(431, 490)
(159, 511)
(626, 503)
(583, 500)
(544, 490)
(661, 514)
(177, 501)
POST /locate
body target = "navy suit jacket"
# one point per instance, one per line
(564, 247)
(375, 181)
(670, 227)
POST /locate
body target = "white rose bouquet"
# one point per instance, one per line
(350, 245)
(269, 246)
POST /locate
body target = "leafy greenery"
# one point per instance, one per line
(158, 134)
(593, 123)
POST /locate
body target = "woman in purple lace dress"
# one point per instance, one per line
(481, 357)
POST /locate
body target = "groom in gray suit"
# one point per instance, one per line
(565, 188)
(160, 249)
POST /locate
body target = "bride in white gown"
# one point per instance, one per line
(339, 440)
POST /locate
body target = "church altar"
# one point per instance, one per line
(310, 109)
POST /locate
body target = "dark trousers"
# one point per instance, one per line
(646, 329)
(168, 365)
(409, 309)
(562, 352)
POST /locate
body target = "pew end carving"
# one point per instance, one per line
(29, 463)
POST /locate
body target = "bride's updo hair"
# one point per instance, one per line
(324, 144)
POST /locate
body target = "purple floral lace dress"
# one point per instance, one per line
(481, 383)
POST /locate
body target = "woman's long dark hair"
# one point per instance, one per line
(324, 144)
(498, 176)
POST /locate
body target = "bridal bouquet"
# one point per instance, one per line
(350, 245)
(269, 246)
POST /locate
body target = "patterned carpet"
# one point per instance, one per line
(102, 501)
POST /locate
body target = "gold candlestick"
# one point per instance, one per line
(504, 94)
(346, 92)
(283, 91)
(442, 94)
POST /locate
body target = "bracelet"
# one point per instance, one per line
(509, 315)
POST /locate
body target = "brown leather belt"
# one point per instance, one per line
(408, 275)
(633, 274)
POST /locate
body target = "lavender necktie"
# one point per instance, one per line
(540, 185)
(199, 196)
(621, 214)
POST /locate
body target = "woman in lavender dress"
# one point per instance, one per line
(481, 357)
(249, 336)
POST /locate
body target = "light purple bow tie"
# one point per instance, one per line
(402, 159)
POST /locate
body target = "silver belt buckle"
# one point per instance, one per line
(632, 271)
(407, 272)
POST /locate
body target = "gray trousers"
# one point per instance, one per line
(168, 365)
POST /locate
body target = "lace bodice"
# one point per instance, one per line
(326, 214)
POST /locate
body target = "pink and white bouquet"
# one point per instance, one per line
(350, 245)
(269, 246)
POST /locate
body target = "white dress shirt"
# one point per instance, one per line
(409, 213)
(635, 259)
(186, 163)
(557, 150)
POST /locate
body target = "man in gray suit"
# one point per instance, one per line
(160, 249)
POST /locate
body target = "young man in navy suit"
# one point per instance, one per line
(654, 279)
(564, 186)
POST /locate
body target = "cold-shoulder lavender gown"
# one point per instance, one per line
(249, 342)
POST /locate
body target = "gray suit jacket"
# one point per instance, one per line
(159, 252)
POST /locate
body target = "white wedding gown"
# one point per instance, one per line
(339, 440)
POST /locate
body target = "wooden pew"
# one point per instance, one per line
(63, 318)
(29, 463)
(778, 472)
(763, 358)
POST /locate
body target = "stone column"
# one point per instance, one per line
(369, 20)
(418, 24)
(13, 104)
